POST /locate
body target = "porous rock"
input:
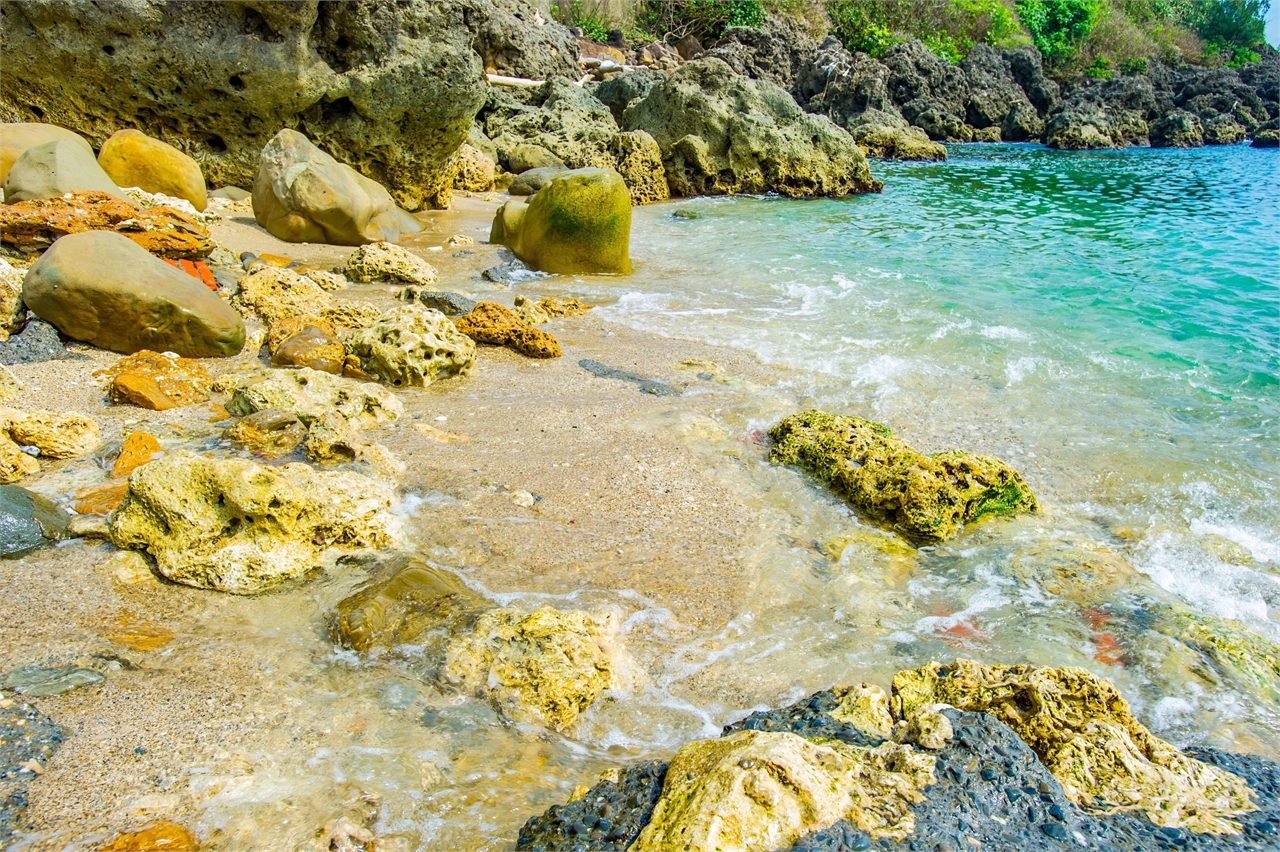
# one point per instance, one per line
(388, 263)
(580, 221)
(33, 226)
(105, 289)
(276, 294)
(14, 463)
(309, 394)
(497, 325)
(53, 169)
(412, 345)
(236, 526)
(638, 159)
(923, 497)
(270, 432)
(888, 136)
(1177, 129)
(132, 158)
(475, 170)
(331, 440)
(301, 194)
(57, 435)
(158, 381)
(13, 312)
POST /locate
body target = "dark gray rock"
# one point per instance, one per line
(1178, 129)
(994, 94)
(930, 92)
(26, 734)
(607, 819)
(646, 384)
(449, 304)
(1027, 69)
(779, 52)
(38, 342)
(28, 521)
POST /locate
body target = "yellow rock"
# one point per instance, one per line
(277, 294)
(865, 706)
(14, 463)
(161, 836)
(56, 435)
(139, 448)
(132, 158)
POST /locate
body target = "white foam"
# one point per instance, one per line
(1018, 370)
(1003, 332)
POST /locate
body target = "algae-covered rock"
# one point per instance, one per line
(498, 325)
(580, 221)
(865, 706)
(236, 526)
(545, 667)
(924, 497)
(277, 294)
(390, 264)
(1083, 730)
(412, 345)
(309, 394)
(752, 791)
(403, 609)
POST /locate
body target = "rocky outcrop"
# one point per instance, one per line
(103, 288)
(639, 161)
(132, 158)
(580, 221)
(1027, 68)
(924, 497)
(309, 395)
(236, 526)
(412, 346)
(619, 91)
(569, 122)
(33, 226)
(931, 92)
(476, 170)
(496, 325)
(387, 87)
(301, 194)
(723, 133)
(54, 169)
(889, 137)
(386, 263)
(994, 96)
(1177, 129)
(780, 52)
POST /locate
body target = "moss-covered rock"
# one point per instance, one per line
(924, 497)
(580, 221)
(1083, 730)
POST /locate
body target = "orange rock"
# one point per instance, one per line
(497, 325)
(100, 499)
(161, 836)
(275, 260)
(139, 448)
(136, 633)
(163, 231)
(196, 269)
(158, 382)
(217, 412)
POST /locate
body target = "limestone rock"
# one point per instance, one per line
(271, 432)
(529, 312)
(132, 158)
(388, 263)
(331, 440)
(1223, 130)
(277, 294)
(496, 325)
(638, 159)
(103, 288)
(554, 307)
(236, 526)
(301, 194)
(18, 137)
(309, 394)
(570, 128)
(283, 329)
(1083, 731)
(34, 225)
(924, 497)
(1028, 71)
(865, 706)
(14, 463)
(721, 133)
(56, 435)
(13, 312)
(1178, 129)
(28, 521)
(530, 181)
(889, 137)
(53, 169)
(929, 90)
(579, 222)
(753, 790)
(414, 604)
(993, 91)
(523, 157)
(412, 345)
(158, 381)
(546, 667)
(927, 728)
(475, 170)
(10, 387)
(350, 316)
(449, 304)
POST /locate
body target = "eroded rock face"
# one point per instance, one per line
(930, 91)
(271, 432)
(13, 311)
(497, 325)
(412, 345)
(132, 158)
(993, 91)
(476, 170)
(580, 221)
(309, 394)
(722, 133)
(924, 497)
(639, 161)
(1083, 730)
(236, 526)
(163, 231)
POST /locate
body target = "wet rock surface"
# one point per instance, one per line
(449, 304)
(28, 738)
(28, 521)
(580, 221)
(607, 819)
(387, 263)
(645, 384)
(158, 382)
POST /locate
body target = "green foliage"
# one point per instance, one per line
(950, 28)
(593, 25)
(705, 19)
(1099, 69)
(1231, 28)
(1059, 27)
(1134, 67)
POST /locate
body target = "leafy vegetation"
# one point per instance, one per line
(949, 28)
(1059, 27)
(704, 19)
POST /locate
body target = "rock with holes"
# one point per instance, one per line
(13, 311)
(309, 394)
(412, 345)
(57, 435)
(276, 294)
(236, 526)
(389, 264)
(497, 325)
(270, 432)
(476, 170)
(132, 158)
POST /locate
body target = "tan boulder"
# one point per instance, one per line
(385, 263)
(57, 435)
(13, 311)
(14, 463)
(132, 158)
(412, 345)
(18, 137)
(158, 381)
(56, 168)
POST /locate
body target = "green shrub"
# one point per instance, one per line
(950, 28)
(672, 20)
(1231, 28)
(1059, 27)
(593, 25)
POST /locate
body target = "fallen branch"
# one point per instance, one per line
(513, 82)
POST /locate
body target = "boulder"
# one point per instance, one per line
(54, 169)
(158, 381)
(33, 226)
(1021, 124)
(619, 91)
(545, 667)
(1083, 730)
(475, 170)
(639, 162)
(723, 133)
(309, 394)
(1177, 129)
(385, 263)
(388, 87)
(580, 221)
(57, 435)
(993, 91)
(411, 607)
(276, 294)
(301, 194)
(132, 158)
(449, 304)
(28, 521)
(412, 345)
(530, 181)
(522, 157)
(17, 137)
(236, 526)
(13, 311)
(496, 325)
(231, 193)
(925, 498)
(889, 137)
(270, 433)
(103, 288)
(756, 790)
(1106, 114)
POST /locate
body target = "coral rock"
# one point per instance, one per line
(159, 382)
(276, 294)
(309, 394)
(56, 436)
(388, 263)
(412, 346)
(163, 231)
(475, 170)
(496, 325)
(271, 432)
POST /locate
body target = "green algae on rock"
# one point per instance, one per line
(236, 526)
(1083, 731)
(924, 497)
(753, 790)
(580, 221)
(403, 609)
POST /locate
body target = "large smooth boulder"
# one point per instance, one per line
(54, 169)
(580, 221)
(17, 137)
(132, 158)
(236, 526)
(721, 133)
(105, 289)
(412, 346)
(302, 195)
(388, 87)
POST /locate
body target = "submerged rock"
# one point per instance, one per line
(389, 264)
(415, 601)
(923, 497)
(307, 341)
(271, 432)
(498, 326)
(33, 226)
(331, 440)
(236, 526)
(28, 521)
(412, 345)
(580, 221)
(310, 394)
(42, 681)
(646, 384)
(157, 381)
(132, 158)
